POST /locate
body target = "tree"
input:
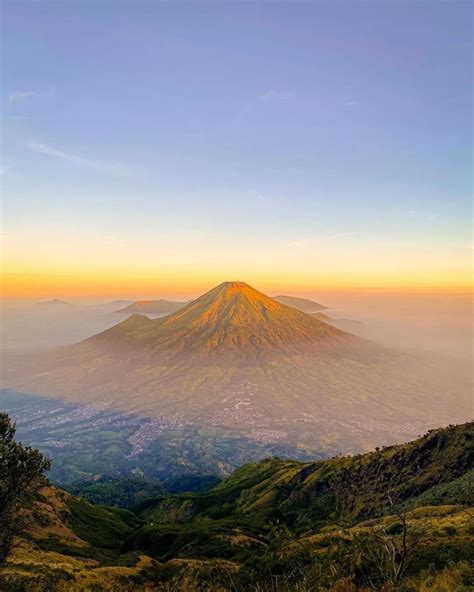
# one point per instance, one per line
(21, 475)
(394, 546)
(383, 549)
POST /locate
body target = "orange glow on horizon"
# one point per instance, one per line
(111, 285)
(90, 267)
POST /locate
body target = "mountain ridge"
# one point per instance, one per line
(160, 306)
(251, 530)
(302, 304)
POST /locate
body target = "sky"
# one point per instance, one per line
(159, 148)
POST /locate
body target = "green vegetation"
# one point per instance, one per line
(21, 475)
(397, 519)
(122, 493)
(101, 527)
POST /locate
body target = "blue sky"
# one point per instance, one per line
(238, 136)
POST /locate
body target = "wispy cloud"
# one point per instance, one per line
(275, 95)
(107, 168)
(18, 95)
(4, 170)
(336, 236)
(257, 102)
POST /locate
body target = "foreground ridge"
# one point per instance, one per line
(299, 519)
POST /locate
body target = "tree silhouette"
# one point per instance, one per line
(21, 475)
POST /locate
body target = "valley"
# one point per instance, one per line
(88, 441)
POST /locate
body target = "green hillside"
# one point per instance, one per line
(394, 519)
(354, 485)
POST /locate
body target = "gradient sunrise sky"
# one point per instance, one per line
(152, 147)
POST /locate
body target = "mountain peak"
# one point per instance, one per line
(233, 285)
(235, 288)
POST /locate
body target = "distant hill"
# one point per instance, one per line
(396, 519)
(300, 303)
(348, 325)
(151, 307)
(111, 306)
(55, 303)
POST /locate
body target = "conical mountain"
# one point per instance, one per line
(231, 319)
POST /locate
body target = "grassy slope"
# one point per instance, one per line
(265, 516)
(356, 485)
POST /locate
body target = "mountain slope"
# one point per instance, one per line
(355, 485)
(307, 519)
(302, 304)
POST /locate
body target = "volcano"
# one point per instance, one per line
(236, 358)
(232, 322)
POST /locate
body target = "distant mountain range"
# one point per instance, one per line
(169, 306)
(152, 307)
(112, 306)
(237, 358)
(165, 307)
(348, 325)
